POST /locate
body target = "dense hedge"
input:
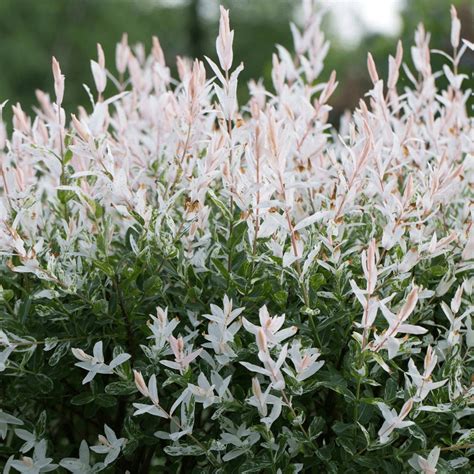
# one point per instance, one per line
(193, 286)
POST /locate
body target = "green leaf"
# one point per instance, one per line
(255, 465)
(100, 306)
(82, 399)
(132, 428)
(418, 433)
(67, 156)
(59, 352)
(365, 433)
(347, 444)
(120, 388)
(41, 424)
(105, 400)
(333, 381)
(316, 281)
(238, 234)
(390, 391)
(280, 297)
(316, 427)
(221, 268)
(174, 378)
(104, 267)
(42, 383)
(184, 450)
(6, 295)
(438, 270)
(130, 447)
(25, 309)
(99, 210)
(223, 207)
(152, 285)
(189, 410)
(65, 195)
(340, 428)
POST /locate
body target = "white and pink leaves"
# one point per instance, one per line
(81, 465)
(5, 420)
(222, 329)
(423, 382)
(261, 400)
(36, 464)
(454, 334)
(269, 333)
(224, 41)
(227, 92)
(58, 82)
(150, 392)
(95, 364)
(183, 355)
(455, 28)
(305, 361)
(399, 171)
(388, 339)
(370, 303)
(271, 368)
(369, 266)
(426, 465)
(204, 392)
(122, 53)
(161, 328)
(239, 438)
(98, 71)
(393, 420)
(109, 445)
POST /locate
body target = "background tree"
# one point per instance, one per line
(31, 32)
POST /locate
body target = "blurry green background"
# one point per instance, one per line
(31, 31)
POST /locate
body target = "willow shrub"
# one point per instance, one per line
(192, 286)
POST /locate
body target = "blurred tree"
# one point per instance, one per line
(351, 65)
(32, 31)
(196, 33)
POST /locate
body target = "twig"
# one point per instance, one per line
(125, 315)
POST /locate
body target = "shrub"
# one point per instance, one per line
(190, 286)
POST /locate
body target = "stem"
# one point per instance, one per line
(67, 339)
(292, 231)
(61, 148)
(179, 233)
(5, 185)
(180, 167)
(455, 61)
(231, 228)
(359, 364)
(212, 459)
(231, 205)
(455, 447)
(145, 466)
(356, 406)
(125, 315)
(389, 332)
(270, 438)
(366, 331)
(257, 209)
(293, 244)
(288, 403)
